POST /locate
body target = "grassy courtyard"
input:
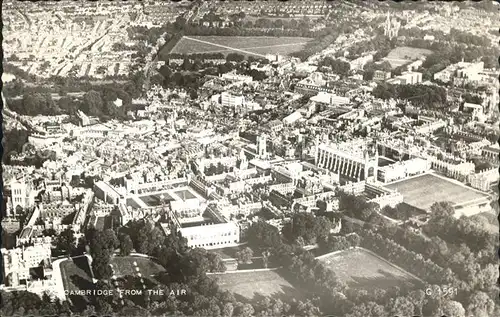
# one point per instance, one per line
(422, 191)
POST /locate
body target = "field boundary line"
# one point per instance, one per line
(332, 253)
(459, 183)
(227, 47)
(255, 47)
(245, 271)
(376, 256)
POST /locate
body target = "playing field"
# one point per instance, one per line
(124, 265)
(404, 55)
(246, 45)
(252, 285)
(424, 190)
(360, 268)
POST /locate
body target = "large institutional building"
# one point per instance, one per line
(20, 263)
(351, 160)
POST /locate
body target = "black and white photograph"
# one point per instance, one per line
(250, 158)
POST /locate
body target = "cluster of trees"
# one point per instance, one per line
(262, 235)
(370, 68)
(190, 73)
(304, 269)
(454, 36)
(399, 212)
(473, 99)
(312, 274)
(33, 104)
(330, 296)
(235, 57)
(64, 242)
(457, 231)
(101, 246)
(187, 79)
(264, 23)
(256, 75)
(8, 239)
(321, 41)
(200, 56)
(393, 303)
(148, 35)
(217, 169)
(13, 143)
(464, 247)
(379, 44)
(145, 236)
(23, 303)
(187, 268)
(465, 264)
(307, 227)
(356, 207)
(337, 66)
(409, 260)
(101, 103)
(428, 97)
(246, 30)
(446, 53)
(339, 242)
(464, 269)
(245, 256)
(98, 100)
(457, 36)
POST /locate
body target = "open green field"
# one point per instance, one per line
(360, 268)
(252, 285)
(76, 276)
(246, 45)
(404, 55)
(424, 190)
(124, 265)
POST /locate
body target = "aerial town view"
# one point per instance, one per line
(250, 158)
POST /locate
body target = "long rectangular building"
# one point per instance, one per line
(351, 160)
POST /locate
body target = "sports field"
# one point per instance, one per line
(403, 55)
(252, 285)
(360, 268)
(246, 45)
(424, 190)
